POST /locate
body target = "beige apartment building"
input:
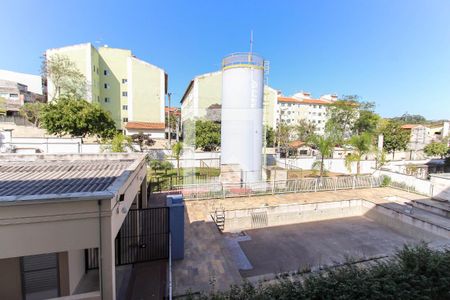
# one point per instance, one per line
(132, 90)
(301, 106)
(54, 208)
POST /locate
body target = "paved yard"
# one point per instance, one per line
(209, 263)
(300, 246)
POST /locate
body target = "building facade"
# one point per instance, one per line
(13, 95)
(131, 89)
(203, 99)
(33, 82)
(301, 106)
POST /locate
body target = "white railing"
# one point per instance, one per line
(231, 190)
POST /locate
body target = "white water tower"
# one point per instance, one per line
(242, 114)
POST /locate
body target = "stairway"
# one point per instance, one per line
(437, 207)
(219, 217)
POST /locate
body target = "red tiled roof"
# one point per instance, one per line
(303, 101)
(173, 110)
(296, 144)
(145, 125)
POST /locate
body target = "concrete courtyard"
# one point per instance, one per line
(211, 264)
(302, 246)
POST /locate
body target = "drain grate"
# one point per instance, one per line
(259, 219)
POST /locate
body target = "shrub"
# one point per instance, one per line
(386, 181)
(413, 273)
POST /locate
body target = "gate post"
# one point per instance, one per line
(175, 205)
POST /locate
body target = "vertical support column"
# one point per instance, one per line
(175, 205)
(144, 193)
(107, 259)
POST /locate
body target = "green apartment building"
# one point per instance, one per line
(132, 90)
(204, 95)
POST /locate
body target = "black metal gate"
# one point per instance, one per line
(144, 236)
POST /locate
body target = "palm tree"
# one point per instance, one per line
(177, 150)
(325, 144)
(362, 145)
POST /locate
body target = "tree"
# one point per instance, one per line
(120, 143)
(305, 130)
(362, 145)
(32, 112)
(155, 165)
(284, 137)
(77, 118)
(410, 119)
(342, 115)
(395, 138)
(207, 135)
(270, 136)
(325, 145)
(166, 166)
(67, 80)
(436, 149)
(142, 140)
(177, 150)
(368, 120)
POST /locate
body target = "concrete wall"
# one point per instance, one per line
(76, 268)
(441, 186)
(420, 185)
(332, 165)
(10, 279)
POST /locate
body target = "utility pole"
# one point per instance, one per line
(168, 121)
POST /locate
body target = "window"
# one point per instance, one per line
(125, 107)
(106, 72)
(125, 120)
(13, 95)
(107, 86)
(94, 68)
(125, 94)
(98, 98)
(124, 80)
(107, 100)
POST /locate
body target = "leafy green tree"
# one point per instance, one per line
(166, 166)
(325, 145)
(207, 135)
(121, 143)
(362, 145)
(342, 115)
(155, 165)
(436, 149)
(284, 137)
(142, 140)
(395, 138)
(368, 120)
(177, 151)
(32, 112)
(270, 136)
(305, 130)
(410, 119)
(66, 78)
(77, 118)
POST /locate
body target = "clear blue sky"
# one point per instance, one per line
(393, 52)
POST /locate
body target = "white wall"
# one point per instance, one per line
(332, 165)
(420, 185)
(441, 186)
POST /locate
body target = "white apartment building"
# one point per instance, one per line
(301, 106)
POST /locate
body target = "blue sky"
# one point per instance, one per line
(395, 53)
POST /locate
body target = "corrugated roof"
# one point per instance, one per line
(43, 177)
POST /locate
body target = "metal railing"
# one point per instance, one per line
(231, 190)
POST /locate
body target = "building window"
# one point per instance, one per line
(13, 95)
(124, 80)
(107, 86)
(107, 100)
(125, 94)
(106, 72)
(98, 98)
(125, 107)
(125, 120)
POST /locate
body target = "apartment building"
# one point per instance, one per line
(132, 90)
(14, 95)
(301, 106)
(203, 98)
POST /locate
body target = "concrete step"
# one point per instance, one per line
(441, 208)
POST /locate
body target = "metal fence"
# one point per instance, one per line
(230, 190)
